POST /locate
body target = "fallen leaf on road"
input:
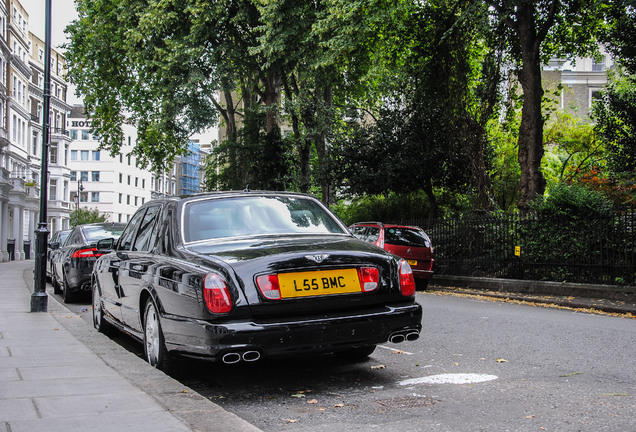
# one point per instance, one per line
(298, 395)
(313, 401)
(340, 405)
(377, 367)
(397, 352)
(500, 360)
(530, 417)
(570, 374)
(291, 421)
(185, 391)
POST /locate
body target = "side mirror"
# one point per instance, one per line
(54, 245)
(106, 244)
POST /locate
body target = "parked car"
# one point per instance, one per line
(57, 240)
(236, 276)
(72, 264)
(408, 242)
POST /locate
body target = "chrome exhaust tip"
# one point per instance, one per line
(231, 358)
(397, 338)
(412, 336)
(250, 356)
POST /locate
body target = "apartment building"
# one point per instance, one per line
(581, 81)
(113, 185)
(21, 96)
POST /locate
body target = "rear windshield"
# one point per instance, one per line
(257, 215)
(95, 233)
(405, 237)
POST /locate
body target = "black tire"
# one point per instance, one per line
(154, 343)
(99, 323)
(56, 285)
(357, 354)
(67, 295)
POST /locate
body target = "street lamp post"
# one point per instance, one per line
(39, 298)
(80, 188)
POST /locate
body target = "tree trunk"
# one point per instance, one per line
(531, 130)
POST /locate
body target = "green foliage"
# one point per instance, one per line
(572, 201)
(382, 208)
(84, 215)
(615, 116)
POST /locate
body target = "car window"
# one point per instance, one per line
(372, 234)
(358, 231)
(73, 238)
(98, 232)
(126, 239)
(405, 237)
(145, 234)
(63, 236)
(245, 216)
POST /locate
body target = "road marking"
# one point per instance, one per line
(395, 349)
(450, 379)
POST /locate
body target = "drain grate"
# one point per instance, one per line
(407, 402)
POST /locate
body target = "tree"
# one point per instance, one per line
(83, 216)
(615, 116)
(533, 32)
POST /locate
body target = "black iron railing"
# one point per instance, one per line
(597, 250)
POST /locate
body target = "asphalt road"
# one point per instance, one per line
(479, 365)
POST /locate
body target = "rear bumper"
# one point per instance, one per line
(293, 337)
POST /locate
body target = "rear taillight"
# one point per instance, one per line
(86, 253)
(216, 294)
(407, 282)
(369, 278)
(269, 286)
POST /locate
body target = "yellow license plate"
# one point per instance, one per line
(324, 282)
(412, 263)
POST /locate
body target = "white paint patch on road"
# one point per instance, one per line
(450, 379)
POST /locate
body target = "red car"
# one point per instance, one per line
(408, 242)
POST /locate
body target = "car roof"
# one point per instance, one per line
(381, 224)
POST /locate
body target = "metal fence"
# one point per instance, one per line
(598, 250)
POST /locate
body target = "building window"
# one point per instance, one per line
(598, 66)
(95, 176)
(73, 134)
(53, 190)
(84, 197)
(136, 181)
(121, 178)
(143, 183)
(84, 155)
(84, 176)
(73, 175)
(96, 155)
(121, 158)
(34, 149)
(94, 196)
(136, 201)
(85, 135)
(120, 198)
(128, 199)
(73, 155)
(128, 179)
(128, 162)
(53, 153)
(66, 155)
(119, 217)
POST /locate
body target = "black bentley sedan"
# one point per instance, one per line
(72, 264)
(236, 276)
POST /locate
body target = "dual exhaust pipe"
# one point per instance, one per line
(404, 335)
(235, 357)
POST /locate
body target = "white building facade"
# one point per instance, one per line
(112, 185)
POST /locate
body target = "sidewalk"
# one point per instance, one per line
(58, 374)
